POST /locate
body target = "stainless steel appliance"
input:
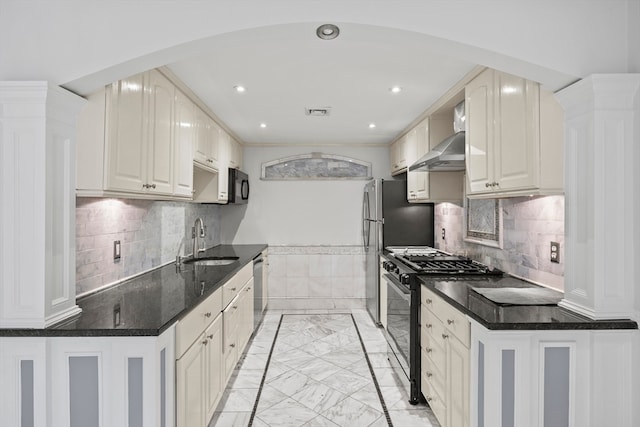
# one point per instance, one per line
(258, 292)
(238, 187)
(402, 267)
(389, 220)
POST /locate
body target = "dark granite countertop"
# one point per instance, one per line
(458, 291)
(151, 302)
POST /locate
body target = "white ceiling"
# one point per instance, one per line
(287, 68)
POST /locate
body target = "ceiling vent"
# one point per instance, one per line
(322, 112)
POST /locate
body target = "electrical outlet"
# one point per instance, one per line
(116, 315)
(555, 252)
(443, 233)
(116, 250)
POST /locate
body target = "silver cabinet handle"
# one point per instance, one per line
(450, 322)
(428, 325)
(232, 345)
(445, 336)
(210, 336)
(429, 374)
(205, 342)
(429, 301)
(207, 314)
(235, 307)
(428, 349)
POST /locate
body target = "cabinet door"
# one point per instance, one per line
(457, 383)
(418, 182)
(516, 153)
(230, 342)
(479, 132)
(126, 134)
(398, 155)
(160, 141)
(223, 166)
(247, 314)
(203, 144)
(213, 367)
(184, 141)
(191, 386)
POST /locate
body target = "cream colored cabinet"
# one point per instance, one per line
(199, 383)
(212, 362)
(206, 144)
(231, 316)
(398, 155)
(513, 139)
(185, 111)
(223, 165)
(139, 142)
(235, 157)
(445, 341)
(134, 140)
(417, 146)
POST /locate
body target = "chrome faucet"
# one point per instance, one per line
(197, 233)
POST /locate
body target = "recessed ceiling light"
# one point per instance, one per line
(372, 125)
(327, 31)
(263, 125)
(240, 89)
(395, 89)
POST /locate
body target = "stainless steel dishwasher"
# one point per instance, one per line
(258, 292)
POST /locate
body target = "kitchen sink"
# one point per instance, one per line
(211, 261)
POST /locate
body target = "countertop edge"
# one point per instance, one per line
(588, 324)
(54, 331)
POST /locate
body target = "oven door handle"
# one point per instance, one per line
(398, 288)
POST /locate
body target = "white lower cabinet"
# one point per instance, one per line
(198, 379)
(209, 342)
(445, 339)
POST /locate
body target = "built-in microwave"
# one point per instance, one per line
(238, 187)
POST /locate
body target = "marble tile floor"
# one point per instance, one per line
(317, 376)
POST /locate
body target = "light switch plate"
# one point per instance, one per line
(116, 250)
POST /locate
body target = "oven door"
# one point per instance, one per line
(398, 330)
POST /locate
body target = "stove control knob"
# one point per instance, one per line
(396, 269)
(404, 279)
(385, 265)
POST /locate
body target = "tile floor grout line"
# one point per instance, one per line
(373, 375)
(264, 375)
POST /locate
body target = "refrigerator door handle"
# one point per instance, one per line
(366, 232)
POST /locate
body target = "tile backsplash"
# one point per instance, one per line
(529, 225)
(150, 233)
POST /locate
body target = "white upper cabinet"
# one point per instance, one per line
(417, 146)
(513, 138)
(135, 140)
(126, 152)
(235, 151)
(398, 156)
(185, 111)
(206, 141)
(139, 140)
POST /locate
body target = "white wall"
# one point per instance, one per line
(300, 213)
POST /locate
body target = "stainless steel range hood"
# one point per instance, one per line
(449, 154)
(446, 156)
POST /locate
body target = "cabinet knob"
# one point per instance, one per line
(232, 345)
(210, 336)
(205, 342)
(153, 186)
(428, 325)
(429, 301)
(235, 307)
(233, 289)
(487, 185)
(429, 399)
(450, 322)
(429, 374)
(207, 314)
(428, 349)
(445, 336)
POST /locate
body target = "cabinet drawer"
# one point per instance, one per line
(434, 372)
(233, 286)
(436, 403)
(453, 320)
(196, 321)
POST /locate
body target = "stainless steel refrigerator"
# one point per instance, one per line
(389, 220)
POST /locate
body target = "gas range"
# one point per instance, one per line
(405, 263)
